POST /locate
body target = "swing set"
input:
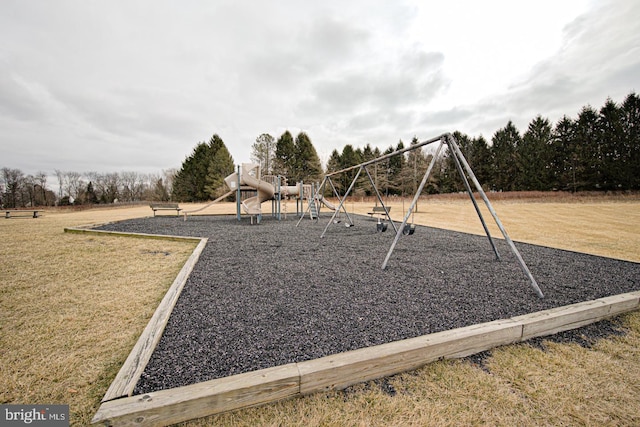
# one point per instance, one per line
(407, 229)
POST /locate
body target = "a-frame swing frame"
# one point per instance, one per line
(466, 173)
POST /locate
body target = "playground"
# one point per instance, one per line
(93, 320)
(266, 313)
(276, 294)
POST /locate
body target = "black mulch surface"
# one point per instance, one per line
(270, 294)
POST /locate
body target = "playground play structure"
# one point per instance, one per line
(252, 190)
(466, 173)
(269, 187)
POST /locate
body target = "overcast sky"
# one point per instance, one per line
(132, 85)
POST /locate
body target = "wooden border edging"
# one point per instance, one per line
(82, 230)
(130, 372)
(344, 369)
(174, 405)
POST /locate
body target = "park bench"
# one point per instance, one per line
(165, 207)
(378, 210)
(22, 213)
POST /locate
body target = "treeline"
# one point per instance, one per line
(598, 150)
(202, 173)
(74, 188)
(296, 159)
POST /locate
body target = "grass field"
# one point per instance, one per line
(72, 307)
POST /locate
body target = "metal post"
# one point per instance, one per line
(452, 143)
(279, 198)
(308, 209)
(335, 192)
(386, 211)
(473, 200)
(342, 201)
(238, 195)
(415, 200)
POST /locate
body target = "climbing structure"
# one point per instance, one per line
(253, 189)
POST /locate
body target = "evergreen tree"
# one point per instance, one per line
(480, 160)
(307, 162)
(334, 164)
(284, 163)
(533, 156)
(220, 167)
(504, 154)
(349, 157)
(563, 156)
(611, 136)
(366, 154)
(395, 167)
(415, 167)
(588, 150)
(630, 176)
(193, 182)
(189, 182)
(160, 192)
(449, 178)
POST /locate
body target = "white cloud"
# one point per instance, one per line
(135, 85)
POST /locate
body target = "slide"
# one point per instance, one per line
(328, 203)
(266, 191)
(252, 205)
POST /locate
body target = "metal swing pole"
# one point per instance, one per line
(452, 143)
(386, 211)
(473, 200)
(335, 192)
(413, 203)
(342, 201)
(309, 204)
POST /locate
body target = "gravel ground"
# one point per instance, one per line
(270, 294)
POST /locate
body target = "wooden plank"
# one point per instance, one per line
(199, 400)
(130, 372)
(622, 303)
(88, 230)
(338, 371)
(560, 319)
(344, 369)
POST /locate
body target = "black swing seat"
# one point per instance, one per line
(409, 229)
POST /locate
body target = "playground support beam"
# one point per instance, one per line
(386, 210)
(353, 183)
(458, 153)
(475, 204)
(335, 193)
(461, 165)
(413, 203)
(388, 156)
(238, 196)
